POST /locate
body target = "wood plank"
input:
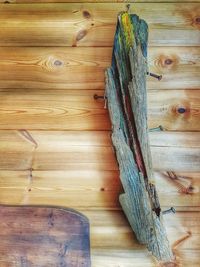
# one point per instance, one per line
(179, 67)
(122, 248)
(83, 67)
(60, 235)
(93, 1)
(24, 150)
(98, 189)
(51, 110)
(138, 258)
(182, 189)
(77, 110)
(175, 139)
(53, 68)
(119, 234)
(173, 159)
(77, 24)
(177, 110)
(50, 150)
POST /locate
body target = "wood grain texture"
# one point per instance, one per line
(77, 110)
(182, 189)
(179, 67)
(83, 67)
(174, 109)
(93, 189)
(123, 249)
(40, 167)
(53, 68)
(93, 1)
(56, 150)
(77, 24)
(37, 236)
(102, 189)
(46, 110)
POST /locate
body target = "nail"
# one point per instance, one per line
(171, 210)
(157, 129)
(128, 7)
(181, 110)
(159, 77)
(99, 97)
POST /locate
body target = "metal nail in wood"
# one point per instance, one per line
(171, 210)
(157, 129)
(159, 77)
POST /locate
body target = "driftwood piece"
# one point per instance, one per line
(43, 236)
(127, 103)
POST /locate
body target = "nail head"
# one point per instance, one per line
(181, 110)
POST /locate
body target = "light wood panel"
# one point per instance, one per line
(182, 189)
(69, 110)
(77, 110)
(175, 139)
(83, 67)
(118, 247)
(179, 67)
(93, 189)
(93, 1)
(94, 25)
(22, 150)
(53, 68)
(174, 109)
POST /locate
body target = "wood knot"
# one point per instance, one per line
(57, 62)
(181, 110)
(81, 35)
(168, 61)
(197, 20)
(86, 14)
(6, 2)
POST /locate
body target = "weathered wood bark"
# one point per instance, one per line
(43, 236)
(127, 102)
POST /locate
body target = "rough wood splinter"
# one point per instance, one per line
(127, 103)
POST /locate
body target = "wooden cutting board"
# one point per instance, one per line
(43, 237)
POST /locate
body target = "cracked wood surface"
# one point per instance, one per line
(37, 236)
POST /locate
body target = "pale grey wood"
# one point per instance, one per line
(127, 104)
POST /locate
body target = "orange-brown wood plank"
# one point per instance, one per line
(53, 68)
(46, 110)
(52, 150)
(83, 67)
(90, 24)
(179, 67)
(94, 189)
(118, 247)
(177, 110)
(93, 1)
(77, 110)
